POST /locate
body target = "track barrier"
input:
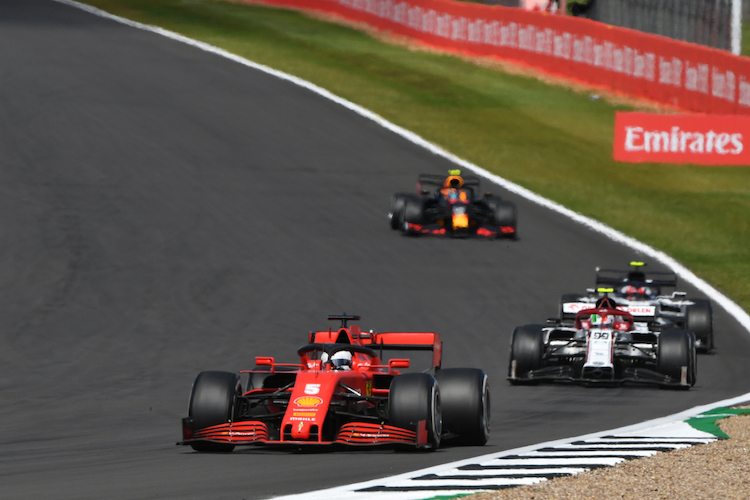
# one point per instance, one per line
(682, 75)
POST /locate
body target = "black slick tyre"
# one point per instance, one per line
(212, 402)
(526, 350)
(465, 404)
(413, 214)
(413, 210)
(396, 211)
(505, 214)
(415, 397)
(699, 319)
(676, 356)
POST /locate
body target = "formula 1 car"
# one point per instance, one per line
(341, 392)
(602, 347)
(451, 205)
(641, 295)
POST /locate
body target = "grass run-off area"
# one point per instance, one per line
(551, 139)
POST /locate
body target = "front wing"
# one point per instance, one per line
(352, 434)
(639, 376)
(485, 231)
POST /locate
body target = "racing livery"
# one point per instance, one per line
(452, 206)
(602, 346)
(341, 391)
(642, 296)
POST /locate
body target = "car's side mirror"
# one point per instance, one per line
(398, 363)
(264, 360)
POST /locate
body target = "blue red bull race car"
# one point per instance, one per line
(341, 391)
(452, 206)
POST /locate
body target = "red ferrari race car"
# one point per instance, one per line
(451, 205)
(341, 391)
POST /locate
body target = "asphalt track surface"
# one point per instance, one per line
(165, 211)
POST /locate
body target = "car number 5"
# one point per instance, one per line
(312, 388)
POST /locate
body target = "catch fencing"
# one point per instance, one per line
(706, 22)
(675, 73)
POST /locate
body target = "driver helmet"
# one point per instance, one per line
(342, 360)
(630, 290)
(453, 181)
(600, 320)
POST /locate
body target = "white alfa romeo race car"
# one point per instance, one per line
(602, 346)
(642, 296)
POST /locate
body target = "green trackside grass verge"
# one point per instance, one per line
(551, 139)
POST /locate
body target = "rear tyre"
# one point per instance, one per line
(677, 353)
(699, 319)
(415, 397)
(396, 212)
(465, 404)
(212, 402)
(526, 349)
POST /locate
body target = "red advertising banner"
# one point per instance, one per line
(694, 139)
(688, 76)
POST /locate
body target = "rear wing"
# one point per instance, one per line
(470, 181)
(407, 341)
(614, 277)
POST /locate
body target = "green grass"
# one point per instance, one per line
(550, 139)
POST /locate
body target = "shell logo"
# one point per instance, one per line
(308, 401)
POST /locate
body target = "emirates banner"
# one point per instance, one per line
(688, 76)
(694, 139)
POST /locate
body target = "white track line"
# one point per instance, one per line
(672, 428)
(730, 306)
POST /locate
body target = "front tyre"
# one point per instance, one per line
(465, 403)
(505, 214)
(526, 350)
(396, 211)
(414, 397)
(212, 402)
(676, 356)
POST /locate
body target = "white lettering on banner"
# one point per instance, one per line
(644, 66)
(414, 17)
(578, 50)
(490, 33)
(509, 35)
(744, 92)
(696, 77)
(459, 29)
(722, 84)
(609, 49)
(443, 25)
(563, 45)
(400, 12)
(476, 29)
(670, 72)
(627, 63)
(600, 53)
(679, 141)
(526, 38)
